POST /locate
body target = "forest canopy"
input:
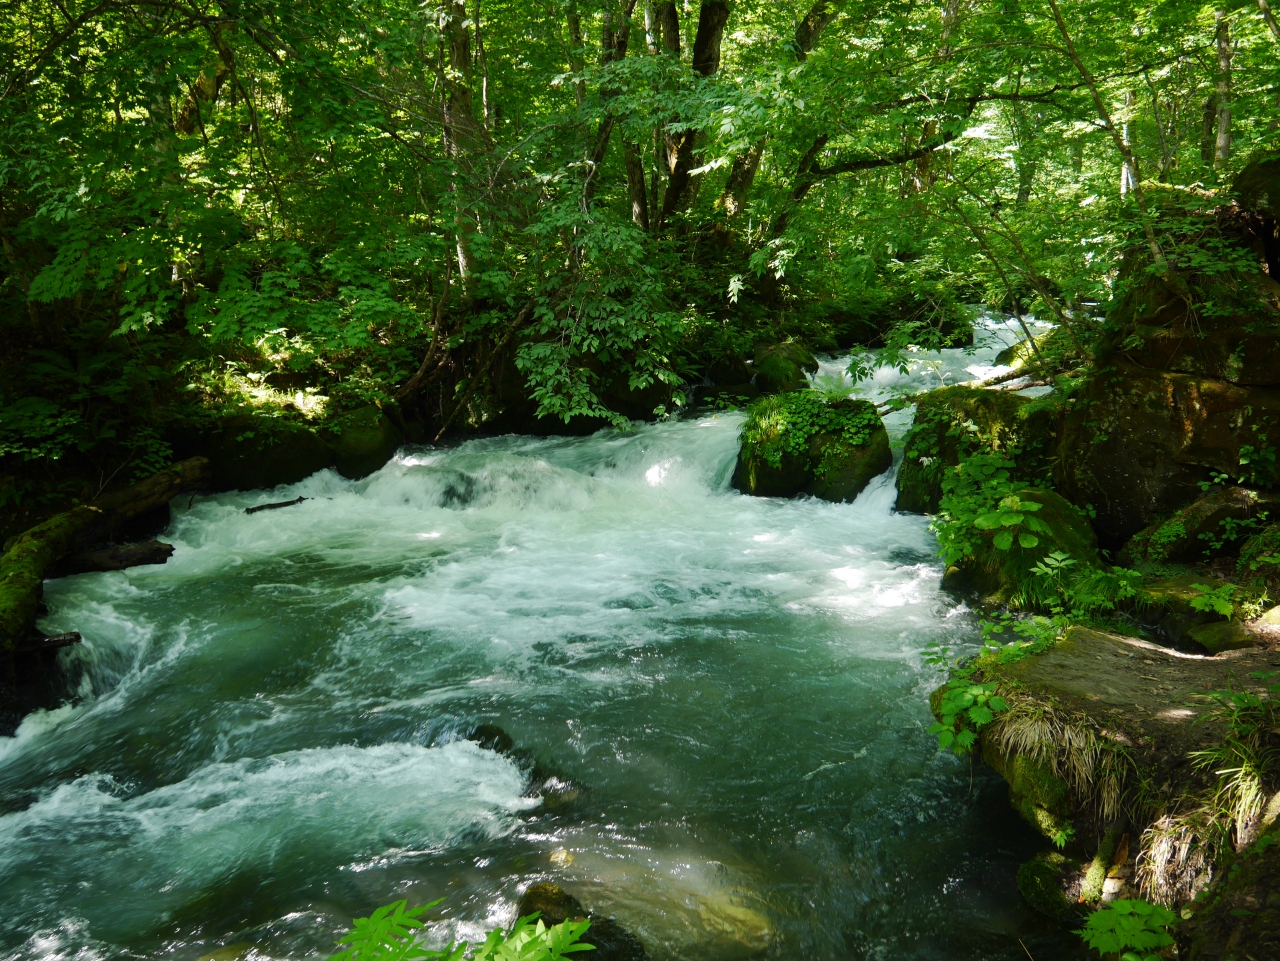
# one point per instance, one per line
(454, 209)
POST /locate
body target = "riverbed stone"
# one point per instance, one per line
(1005, 577)
(1045, 882)
(248, 452)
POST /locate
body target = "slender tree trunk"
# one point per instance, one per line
(1128, 179)
(1269, 18)
(1208, 125)
(635, 185)
(613, 48)
(742, 172)
(575, 51)
(1222, 85)
(463, 135)
(1126, 154)
(681, 147)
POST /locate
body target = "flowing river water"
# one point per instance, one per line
(272, 734)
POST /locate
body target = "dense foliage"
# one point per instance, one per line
(473, 213)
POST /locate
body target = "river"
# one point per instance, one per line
(271, 738)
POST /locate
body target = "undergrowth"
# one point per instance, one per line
(782, 425)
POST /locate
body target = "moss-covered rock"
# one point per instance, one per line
(1140, 442)
(955, 421)
(362, 442)
(782, 367)
(554, 905)
(1212, 526)
(1005, 576)
(1042, 798)
(1045, 882)
(797, 443)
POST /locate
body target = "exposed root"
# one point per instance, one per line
(1176, 857)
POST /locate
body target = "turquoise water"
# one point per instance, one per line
(272, 734)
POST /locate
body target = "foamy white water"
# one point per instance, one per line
(271, 737)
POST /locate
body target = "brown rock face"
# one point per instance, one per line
(1141, 440)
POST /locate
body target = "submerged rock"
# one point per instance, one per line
(557, 793)
(555, 905)
(799, 444)
(954, 421)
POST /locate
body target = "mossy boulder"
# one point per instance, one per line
(248, 452)
(362, 442)
(1004, 576)
(782, 367)
(1138, 443)
(1259, 562)
(1045, 882)
(1212, 526)
(1042, 798)
(797, 443)
(955, 421)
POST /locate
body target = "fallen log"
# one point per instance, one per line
(274, 507)
(114, 557)
(34, 553)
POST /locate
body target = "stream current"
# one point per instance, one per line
(272, 734)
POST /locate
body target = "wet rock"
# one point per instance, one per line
(798, 444)
(248, 453)
(1141, 442)
(555, 905)
(1212, 526)
(557, 793)
(782, 368)
(638, 403)
(112, 558)
(1004, 577)
(362, 442)
(953, 421)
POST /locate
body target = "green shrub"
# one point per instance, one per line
(391, 934)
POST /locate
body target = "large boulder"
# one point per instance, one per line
(362, 441)
(1140, 442)
(1212, 526)
(956, 421)
(797, 443)
(248, 452)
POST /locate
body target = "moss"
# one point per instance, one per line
(956, 421)
(798, 443)
(1043, 882)
(1042, 798)
(23, 567)
(1096, 875)
(1212, 526)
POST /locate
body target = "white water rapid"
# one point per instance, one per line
(272, 733)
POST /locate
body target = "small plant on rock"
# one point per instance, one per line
(965, 708)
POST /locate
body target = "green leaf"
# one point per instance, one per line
(1003, 541)
(1028, 540)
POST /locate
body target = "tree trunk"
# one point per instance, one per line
(635, 185)
(1222, 142)
(742, 172)
(712, 17)
(1208, 123)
